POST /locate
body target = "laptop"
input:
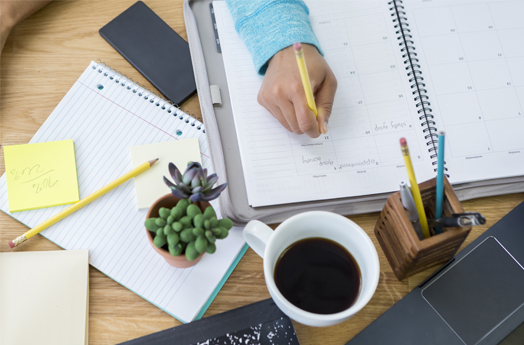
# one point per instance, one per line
(475, 299)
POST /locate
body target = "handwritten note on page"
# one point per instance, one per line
(150, 185)
(41, 175)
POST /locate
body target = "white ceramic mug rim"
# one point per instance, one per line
(361, 301)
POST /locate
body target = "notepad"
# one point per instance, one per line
(44, 297)
(150, 185)
(41, 175)
(106, 114)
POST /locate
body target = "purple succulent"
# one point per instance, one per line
(194, 184)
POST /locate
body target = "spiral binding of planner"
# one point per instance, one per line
(415, 78)
(147, 94)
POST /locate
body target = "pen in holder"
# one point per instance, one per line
(406, 253)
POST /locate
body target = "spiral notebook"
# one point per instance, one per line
(106, 114)
(404, 69)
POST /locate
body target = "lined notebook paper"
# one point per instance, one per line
(106, 114)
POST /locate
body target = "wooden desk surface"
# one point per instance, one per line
(41, 60)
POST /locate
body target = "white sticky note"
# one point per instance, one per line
(150, 185)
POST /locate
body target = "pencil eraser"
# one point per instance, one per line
(403, 142)
(297, 46)
(11, 244)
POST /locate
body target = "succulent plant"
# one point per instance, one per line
(185, 229)
(194, 184)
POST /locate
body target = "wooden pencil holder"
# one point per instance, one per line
(406, 253)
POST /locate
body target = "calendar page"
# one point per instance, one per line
(472, 60)
(373, 109)
(405, 68)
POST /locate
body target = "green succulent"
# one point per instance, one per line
(185, 229)
(194, 184)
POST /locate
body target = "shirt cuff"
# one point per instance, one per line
(274, 27)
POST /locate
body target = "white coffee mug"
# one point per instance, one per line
(270, 244)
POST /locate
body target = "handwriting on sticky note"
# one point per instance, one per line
(41, 175)
(40, 179)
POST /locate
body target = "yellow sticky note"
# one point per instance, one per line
(41, 175)
(150, 185)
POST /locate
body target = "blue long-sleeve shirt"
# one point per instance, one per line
(268, 26)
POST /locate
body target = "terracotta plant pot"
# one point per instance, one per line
(170, 201)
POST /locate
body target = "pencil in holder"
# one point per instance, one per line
(406, 253)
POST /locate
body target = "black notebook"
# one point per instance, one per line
(259, 323)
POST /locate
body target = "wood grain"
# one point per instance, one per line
(43, 57)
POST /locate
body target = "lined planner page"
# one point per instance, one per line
(472, 58)
(106, 115)
(373, 109)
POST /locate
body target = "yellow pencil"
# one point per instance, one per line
(414, 188)
(75, 207)
(305, 77)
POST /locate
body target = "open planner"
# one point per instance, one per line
(106, 114)
(404, 69)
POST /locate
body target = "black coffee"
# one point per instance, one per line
(318, 275)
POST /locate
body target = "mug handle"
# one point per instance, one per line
(257, 235)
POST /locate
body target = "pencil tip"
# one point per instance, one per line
(153, 161)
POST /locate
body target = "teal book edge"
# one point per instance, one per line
(222, 282)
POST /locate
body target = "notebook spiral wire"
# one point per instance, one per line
(416, 79)
(148, 94)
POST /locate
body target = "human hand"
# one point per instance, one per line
(282, 92)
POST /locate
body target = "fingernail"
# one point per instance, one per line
(324, 129)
